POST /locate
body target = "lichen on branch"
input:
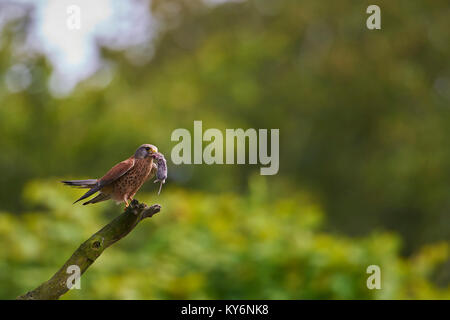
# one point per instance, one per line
(91, 249)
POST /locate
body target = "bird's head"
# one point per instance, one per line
(145, 151)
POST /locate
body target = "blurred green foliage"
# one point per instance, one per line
(363, 115)
(364, 124)
(204, 246)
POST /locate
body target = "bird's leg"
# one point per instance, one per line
(126, 204)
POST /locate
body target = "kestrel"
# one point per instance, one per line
(123, 180)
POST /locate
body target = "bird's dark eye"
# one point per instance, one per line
(147, 148)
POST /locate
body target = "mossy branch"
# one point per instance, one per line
(91, 249)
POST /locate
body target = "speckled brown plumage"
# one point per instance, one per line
(126, 186)
(123, 180)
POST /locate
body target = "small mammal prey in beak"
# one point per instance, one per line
(161, 173)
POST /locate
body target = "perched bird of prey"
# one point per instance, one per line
(123, 180)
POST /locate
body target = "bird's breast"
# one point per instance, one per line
(142, 168)
(139, 173)
(131, 181)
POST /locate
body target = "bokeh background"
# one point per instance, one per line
(364, 123)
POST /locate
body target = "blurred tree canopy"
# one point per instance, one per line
(204, 246)
(363, 116)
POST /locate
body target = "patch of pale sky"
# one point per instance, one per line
(74, 53)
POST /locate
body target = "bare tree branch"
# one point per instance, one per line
(91, 249)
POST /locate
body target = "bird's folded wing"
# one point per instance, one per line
(116, 172)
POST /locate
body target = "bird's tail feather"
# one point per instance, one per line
(89, 193)
(89, 183)
(99, 198)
